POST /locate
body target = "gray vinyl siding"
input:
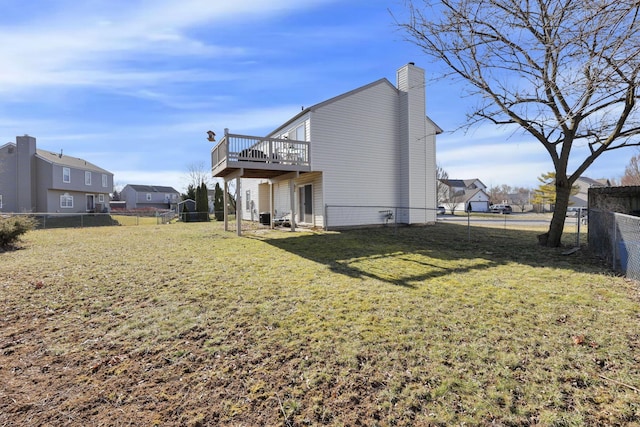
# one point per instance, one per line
(52, 186)
(138, 199)
(8, 174)
(44, 183)
(31, 179)
(50, 175)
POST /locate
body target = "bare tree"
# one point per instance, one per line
(522, 198)
(566, 72)
(632, 172)
(443, 189)
(198, 174)
(500, 194)
(454, 199)
(451, 197)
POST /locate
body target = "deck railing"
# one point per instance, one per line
(244, 148)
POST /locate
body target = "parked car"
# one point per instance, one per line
(501, 209)
(575, 211)
(440, 210)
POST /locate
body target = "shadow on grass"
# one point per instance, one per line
(408, 255)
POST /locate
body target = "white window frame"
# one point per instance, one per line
(93, 202)
(148, 197)
(0, 201)
(66, 201)
(105, 180)
(87, 177)
(66, 175)
(301, 134)
(100, 198)
(247, 202)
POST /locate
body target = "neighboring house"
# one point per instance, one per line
(34, 180)
(466, 193)
(343, 162)
(457, 185)
(581, 199)
(149, 197)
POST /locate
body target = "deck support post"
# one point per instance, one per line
(292, 198)
(271, 208)
(226, 205)
(238, 208)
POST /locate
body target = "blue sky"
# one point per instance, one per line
(133, 85)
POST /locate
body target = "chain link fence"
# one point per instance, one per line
(46, 220)
(615, 237)
(343, 216)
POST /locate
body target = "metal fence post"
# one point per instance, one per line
(326, 217)
(395, 221)
(615, 243)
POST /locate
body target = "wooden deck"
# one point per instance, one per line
(258, 157)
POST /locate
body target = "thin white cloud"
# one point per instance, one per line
(76, 46)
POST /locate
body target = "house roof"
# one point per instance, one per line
(469, 194)
(595, 182)
(382, 81)
(152, 188)
(460, 183)
(63, 159)
(455, 183)
(70, 161)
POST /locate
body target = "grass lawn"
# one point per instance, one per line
(184, 324)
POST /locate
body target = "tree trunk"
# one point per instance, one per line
(553, 237)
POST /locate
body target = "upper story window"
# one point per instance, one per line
(300, 133)
(87, 178)
(66, 175)
(148, 197)
(105, 181)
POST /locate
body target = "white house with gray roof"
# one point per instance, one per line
(35, 180)
(343, 162)
(465, 194)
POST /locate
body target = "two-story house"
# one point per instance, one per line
(149, 197)
(35, 180)
(465, 194)
(347, 161)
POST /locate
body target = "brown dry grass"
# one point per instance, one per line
(184, 324)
